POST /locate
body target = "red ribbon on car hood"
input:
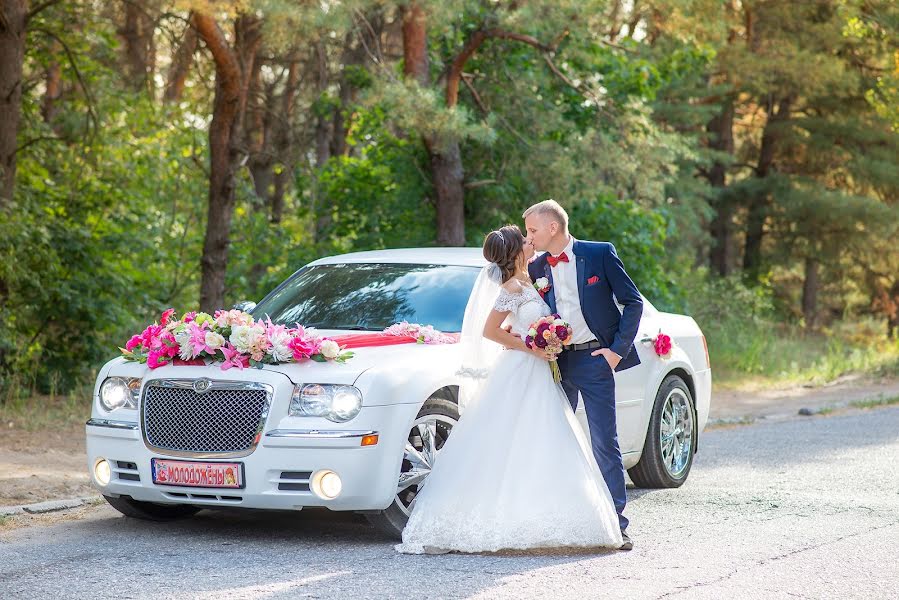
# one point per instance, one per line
(370, 340)
(346, 341)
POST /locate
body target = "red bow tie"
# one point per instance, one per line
(554, 260)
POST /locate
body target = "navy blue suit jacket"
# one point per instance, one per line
(616, 330)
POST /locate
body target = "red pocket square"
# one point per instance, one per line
(593, 280)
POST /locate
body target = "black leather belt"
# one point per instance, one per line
(585, 346)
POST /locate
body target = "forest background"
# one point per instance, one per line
(740, 154)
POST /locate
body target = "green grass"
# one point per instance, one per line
(759, 355)
(875, 402)
(39, 412)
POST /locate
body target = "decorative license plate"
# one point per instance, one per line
(197, 474)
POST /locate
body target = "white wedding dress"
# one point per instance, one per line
(517, 471)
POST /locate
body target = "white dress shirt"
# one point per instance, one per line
(568, 302)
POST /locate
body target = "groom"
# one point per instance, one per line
(582, 278)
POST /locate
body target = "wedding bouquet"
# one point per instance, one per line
(551, 334)
(229, 336)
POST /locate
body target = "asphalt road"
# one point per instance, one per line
(803, 508)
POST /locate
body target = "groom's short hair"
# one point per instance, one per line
(549, 207)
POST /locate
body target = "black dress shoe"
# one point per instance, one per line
(626, 544)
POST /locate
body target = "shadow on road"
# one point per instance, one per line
(251, 553)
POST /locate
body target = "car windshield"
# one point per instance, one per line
(372, 296)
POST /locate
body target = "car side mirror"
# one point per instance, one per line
(245, 305)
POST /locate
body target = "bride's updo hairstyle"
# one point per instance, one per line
(503, 247)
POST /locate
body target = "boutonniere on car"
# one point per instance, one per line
(542, 285)
(662, 345)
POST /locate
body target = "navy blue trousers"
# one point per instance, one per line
(592, 377)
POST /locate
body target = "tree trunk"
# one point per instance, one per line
(180, 67)
(345, 94)
(415, 45)
(258, 126)
(447, 173)
(12, 54)
(140, 51)
(284, 141)
(52, 87)
(257, 134)
(323, 123)
(810, 292)
(320, 209)
(758, 206)
(224, 148)
(893, 310)
(721, 227)
(615, 21)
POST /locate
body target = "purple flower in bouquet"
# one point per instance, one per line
(549, 333)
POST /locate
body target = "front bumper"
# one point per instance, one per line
(288, 456)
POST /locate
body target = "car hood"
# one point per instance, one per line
(400, 356)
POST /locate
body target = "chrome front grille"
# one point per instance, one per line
(203, 418)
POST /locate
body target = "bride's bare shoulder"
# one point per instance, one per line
(513, 286)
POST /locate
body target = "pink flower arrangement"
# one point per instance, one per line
(550, 333)
(231, 337)
(662, 345)
(424, 334)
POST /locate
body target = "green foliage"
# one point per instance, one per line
(107, 224)
(100, 238)
(378, 196)
(751, 344)
(423, 111)
(639, 237)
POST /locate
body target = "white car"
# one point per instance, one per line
(360, 436)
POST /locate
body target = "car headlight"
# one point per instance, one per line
(336, 403)
(119, 392)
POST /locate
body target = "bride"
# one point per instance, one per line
(517, 471)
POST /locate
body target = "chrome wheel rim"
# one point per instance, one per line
(676, 433)
(426, 438)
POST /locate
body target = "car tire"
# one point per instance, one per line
(444, 414)
(670, 439)
(150, 511)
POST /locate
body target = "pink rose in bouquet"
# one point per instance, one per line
(552, 334)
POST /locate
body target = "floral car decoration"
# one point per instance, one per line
(662, 345)
(231, 337)
(423, 334)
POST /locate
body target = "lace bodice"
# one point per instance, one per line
(525, 308)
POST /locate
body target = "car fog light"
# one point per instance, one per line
(102, 472)
(327, 484)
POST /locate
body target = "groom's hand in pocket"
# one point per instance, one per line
(611, 358)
